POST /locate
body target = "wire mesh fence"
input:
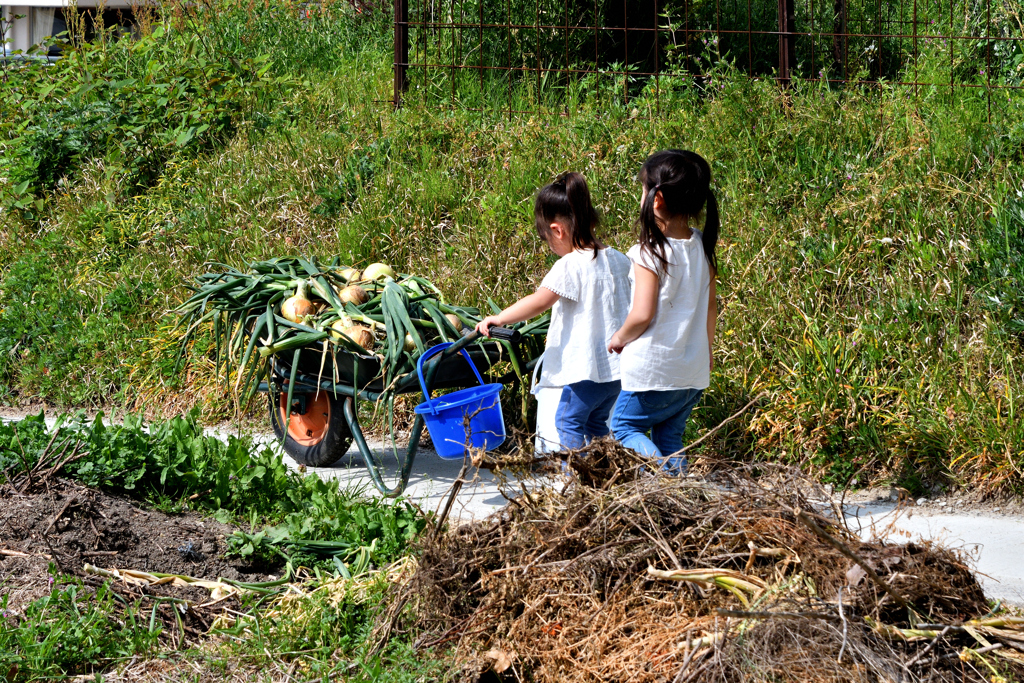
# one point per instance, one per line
(521, 55)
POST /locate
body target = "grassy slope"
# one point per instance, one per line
(863, 234)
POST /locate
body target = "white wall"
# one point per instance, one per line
(5, 13)
(19, 34)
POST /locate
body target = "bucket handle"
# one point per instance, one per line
(433, 351)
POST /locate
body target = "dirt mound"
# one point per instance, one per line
(625, 575)
(71, 525)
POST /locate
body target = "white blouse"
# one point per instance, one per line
(673, 351)
(593, 300)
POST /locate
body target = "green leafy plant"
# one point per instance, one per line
(171, 463)
(136, 104)
(999, 269)
(74, 630)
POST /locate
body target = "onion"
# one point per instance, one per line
(353, 294)
(298, 307)
(410, 344)
(379, 271)
(357, 333)
(455, 321)
(351, 275)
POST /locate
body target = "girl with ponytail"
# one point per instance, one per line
(587, 291)
(666, 340)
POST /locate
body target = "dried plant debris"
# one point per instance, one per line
(627, 575)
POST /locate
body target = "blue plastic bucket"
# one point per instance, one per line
(445, 415)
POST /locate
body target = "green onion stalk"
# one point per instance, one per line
(240, 312)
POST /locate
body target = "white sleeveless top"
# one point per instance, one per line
(673, 351)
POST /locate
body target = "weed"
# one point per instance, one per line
(326, 631)
(998, 271)
(74, 630)
(54, 337)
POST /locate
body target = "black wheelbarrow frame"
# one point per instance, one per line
(443, 371)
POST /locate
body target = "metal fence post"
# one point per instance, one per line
(787, 43)
(839, 31)
(401, 49)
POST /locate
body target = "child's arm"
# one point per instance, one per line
(645, 305)
(712, 320)
(524, 309)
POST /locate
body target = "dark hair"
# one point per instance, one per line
(684, 180)
(568, 198)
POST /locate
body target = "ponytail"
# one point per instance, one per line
(684, 180)
(652, 239)
(568, 199)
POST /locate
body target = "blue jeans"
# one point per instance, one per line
(664, 413)
(583, 410)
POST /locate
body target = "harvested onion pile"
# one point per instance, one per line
(286, 304)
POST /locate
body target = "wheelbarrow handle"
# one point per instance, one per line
(499, 333)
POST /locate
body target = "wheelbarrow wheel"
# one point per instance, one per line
(318, 437)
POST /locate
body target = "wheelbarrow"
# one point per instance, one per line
(322, 422)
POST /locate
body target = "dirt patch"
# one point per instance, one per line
(747, 585)
(70, 525)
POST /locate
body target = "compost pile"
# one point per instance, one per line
(626, 575)
(284, 305)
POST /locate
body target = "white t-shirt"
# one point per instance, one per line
(593, 300)
(673, 352)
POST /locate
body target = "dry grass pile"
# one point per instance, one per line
(624, 575)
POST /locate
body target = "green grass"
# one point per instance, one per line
(324, 627)
(328, 630)
(72, 631)
(871, 254)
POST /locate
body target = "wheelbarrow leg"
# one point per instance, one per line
(371, 464)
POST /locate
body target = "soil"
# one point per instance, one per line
(71, 525)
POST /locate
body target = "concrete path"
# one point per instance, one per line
(430, 482)
(993, 540)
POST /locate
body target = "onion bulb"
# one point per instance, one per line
(350, 275)
(455, 321)
(298, 307)
(353, 294)
(357, 333)
(378, 271)
(410, 344)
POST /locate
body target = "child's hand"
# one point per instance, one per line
(616, 344)
(485, 325)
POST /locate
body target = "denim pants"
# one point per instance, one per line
(583, 410)
(664, 413)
